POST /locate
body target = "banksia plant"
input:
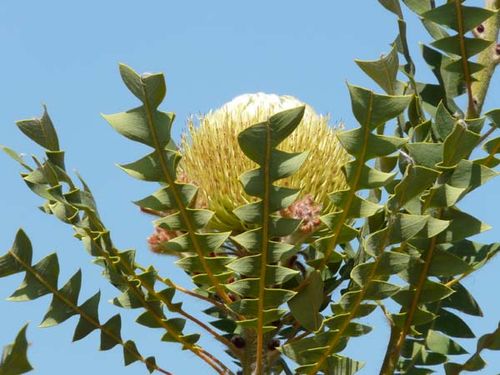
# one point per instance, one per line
(294, 232)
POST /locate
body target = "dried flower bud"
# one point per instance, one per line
(306, 210)
(238, 341)
(273, 344)
(159, 236)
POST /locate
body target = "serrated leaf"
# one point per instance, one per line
(442, 344)
(253, 140)
(87, 322)
(110, 333)
(389, 263)
(445, 264)
(59, 311)
(463, 301)
(366, 177)
(429, 292)
(451, 325)
(41, 131)
(31, 287)
(14, 358)
(130, 353)
(149, 88)
(305, 305)
(384, 70)
(452, 44)
(152, 168)
(358, 142)
(458, 145)
(466, 20)
(372, 110)
(402, 228)
(426, 154)
(415, 181)
(135, 124)
(358, 206)
(451, 83)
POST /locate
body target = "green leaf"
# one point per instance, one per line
(59, 311)
(388, 263)
(358, 142)
(452, 44)
(372, 110)
(469, 175)
(366, 177)
(14, 359)
(253, 140)
(136, 125)
(259, 302)
(15, 156)
(384, 70)
(445, 195)
(147, 87)
(458, 145)
(463, 301)
(86, 323)
(426, 154)
(462, 225)
(31, 287)
(415, 181)
(442, 344)
(445, 264)
(164, 198)
(306, 304)
(130, 353)
(152, 167)
(447, 15)
(196, 218)
(378, 290)
(429, 292)
(110, 333)
(444, 122)
(494, 116)
(41, 131)
(392, 6)
(418, 6)
(20, 253)
(451, 325)
(358, 207)
(402, 228)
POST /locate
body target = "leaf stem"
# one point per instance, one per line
(178, 200)
(55, 292)
(489, 58)
(471, 106)
(265, 249)
(398, 336)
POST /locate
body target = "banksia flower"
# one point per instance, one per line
(213, 160)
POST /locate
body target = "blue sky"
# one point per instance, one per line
(65, 54)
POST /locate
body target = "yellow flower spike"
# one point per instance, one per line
(213, 160)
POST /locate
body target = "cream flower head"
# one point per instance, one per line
(213, 160)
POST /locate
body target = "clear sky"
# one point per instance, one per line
(65, 54)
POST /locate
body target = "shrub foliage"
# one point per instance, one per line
(281, 299)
